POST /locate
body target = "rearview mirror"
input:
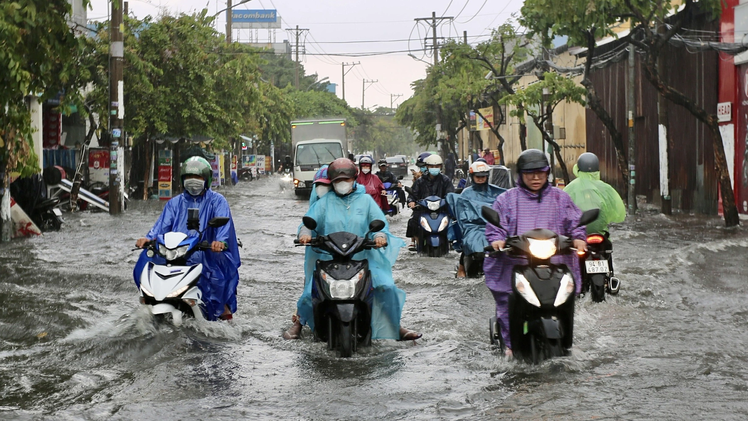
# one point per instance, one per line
(309, 222)
(218, 221)
(376, 225)
(491, 215)
(400, 177)
(588, 216)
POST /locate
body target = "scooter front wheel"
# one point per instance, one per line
(345, 340)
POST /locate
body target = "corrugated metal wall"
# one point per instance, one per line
(693, 179)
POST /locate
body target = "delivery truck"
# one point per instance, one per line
(315, 143)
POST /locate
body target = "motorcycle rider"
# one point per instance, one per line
(533, 203)
(372, 183)
(350, 209)
(433, 184)
(220, 274)
(478, 194)
(387, 176)
(589, 192)
(422, 169)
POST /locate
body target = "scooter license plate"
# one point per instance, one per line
(57, 211)
(597, 266)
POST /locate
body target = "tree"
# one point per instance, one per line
(655, 23)
(550, 91)
(584, 22)
(39, 52)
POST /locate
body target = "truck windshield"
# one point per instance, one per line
(317, 154)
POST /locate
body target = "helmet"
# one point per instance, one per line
(588, 162)
(365, 160)
(382, 162)
(199, 166)
(421, 158)
(479, 169)
(321, 176)
(433, 159)
(532, 160)
(341, 168)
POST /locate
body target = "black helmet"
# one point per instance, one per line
(341, 168)
(422, 157)
(532, 160)
(588, 162)
(382, 162)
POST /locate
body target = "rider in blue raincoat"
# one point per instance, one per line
(220, 276)
(470, 227)
(351, 209)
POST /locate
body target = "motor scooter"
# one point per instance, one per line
(392, 198)
(433, 222)
(597, 275)
(168, 284)
(541, 306)
(342, 293)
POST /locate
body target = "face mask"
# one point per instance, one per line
(366, 170)
(343, 187)
(322, 190)
(194, 186)
(434, 171)
(424, 169)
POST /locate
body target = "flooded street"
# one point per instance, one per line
(75, 343)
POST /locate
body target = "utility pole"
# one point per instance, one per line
(632, 151)
(393, 96)
(228, 21)
(364, 90)
(117, 107)
(345, 73)
(297, 34)
(433, 20)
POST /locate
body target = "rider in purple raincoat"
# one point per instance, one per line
(534, 203)
(220, 268)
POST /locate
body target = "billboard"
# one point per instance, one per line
(255, 19)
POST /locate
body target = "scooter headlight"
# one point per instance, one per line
(145, 291)
(433, 205)
(343, 289)
(443, 224)
(178, 292)
(565, 290)
(173, 253)
(525, 290)
(542, 249)
(425, 224)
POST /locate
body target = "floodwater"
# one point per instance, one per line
(76, 345)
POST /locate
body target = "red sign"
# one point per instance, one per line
(164, 173)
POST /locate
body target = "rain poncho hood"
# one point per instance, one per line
(589, 192)
(353, 213)
(220, 276)
(466, 209)
(374, 188)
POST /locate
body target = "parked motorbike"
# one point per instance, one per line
(342, 289)
(541, 306)
(47, 215)
(433, 223)
(597, 276)
(168, 285)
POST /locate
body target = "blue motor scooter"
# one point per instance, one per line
(433, 223)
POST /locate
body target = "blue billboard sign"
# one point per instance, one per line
(254, 16)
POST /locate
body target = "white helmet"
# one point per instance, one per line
(433, 159)
(479, 168)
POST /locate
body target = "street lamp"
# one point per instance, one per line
(324, 79)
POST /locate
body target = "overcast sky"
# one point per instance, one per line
(340, 29)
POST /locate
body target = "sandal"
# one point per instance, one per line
(409, 335)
